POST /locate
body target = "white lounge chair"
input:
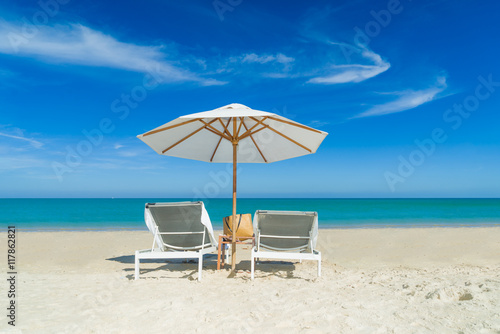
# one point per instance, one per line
(285, 235)
(181, 230)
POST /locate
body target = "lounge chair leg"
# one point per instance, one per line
(200, 265)
(219, 250)
(136, 275)
(252, 266)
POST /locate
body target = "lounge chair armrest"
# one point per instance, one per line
(201, 232)
(283, 236)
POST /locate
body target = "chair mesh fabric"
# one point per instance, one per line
(180, 218)
(284, 224)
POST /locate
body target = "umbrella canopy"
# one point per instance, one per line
(262, 137)
(234, 133)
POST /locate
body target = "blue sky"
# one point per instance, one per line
(409, 92)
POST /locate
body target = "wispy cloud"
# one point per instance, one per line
(342, 62)
(76, 44)
(80, 45)
(253, 64)
(128, 149)
(354, 72)
(263, 59)
(319, 71)
(407, 100)
(318, 123)
(18, 135)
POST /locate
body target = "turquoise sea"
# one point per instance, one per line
(127, 213)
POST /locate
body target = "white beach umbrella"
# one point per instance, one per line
(234, 133)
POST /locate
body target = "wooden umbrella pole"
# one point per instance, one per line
(234, 226)
(235, 153)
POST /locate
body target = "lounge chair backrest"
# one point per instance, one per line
(183, 220)
(285, 224)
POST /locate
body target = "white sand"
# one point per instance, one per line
(427, 280)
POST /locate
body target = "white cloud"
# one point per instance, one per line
(77, 44)
(310, 66)
(318, 123)
(265, 65)
(254, 58)
(80, 45)
(354, 72)
(281, 58)
(407, 100)
(33, 142)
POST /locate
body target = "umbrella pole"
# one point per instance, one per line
(234, 226)
(235, 153)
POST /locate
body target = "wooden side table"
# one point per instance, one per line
(226, 239)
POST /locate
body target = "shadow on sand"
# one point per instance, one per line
(282, 269)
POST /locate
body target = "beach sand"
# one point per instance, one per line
(415, 280)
